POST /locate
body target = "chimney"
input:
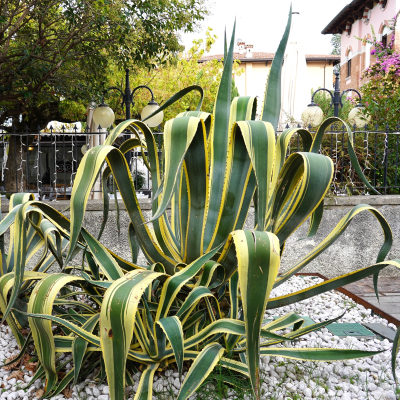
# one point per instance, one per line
(249, 50)
(241, 45)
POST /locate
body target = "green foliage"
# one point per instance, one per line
(202, 294)
(381, 93)
(55, 50)
(234, 89)
(336, 44)
(323, 100)
(178, 72)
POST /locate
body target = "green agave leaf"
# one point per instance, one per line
(86, 175)
(63, 384)
(238, 173)
(106, 262)
(145, 389)
(258, 265)
(219, 146)
(21, 353)
(175, 283)
(117, 319)
(200, 369)
(173, 330)
(330, 284)
(18, 248)
(395, 350)
(350, 147)
(79, 346)
(41, 301)
(192, 300)
(133, 243)
(302, 184)
(335, 234)
(178, 96)
(272, 100)
(259, 138)
(178, 134)
(317, 354)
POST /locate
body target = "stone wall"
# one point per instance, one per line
(356, 248)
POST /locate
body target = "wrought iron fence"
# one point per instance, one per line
(45, 163)
(377, 153)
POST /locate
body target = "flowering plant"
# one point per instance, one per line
(381, 94)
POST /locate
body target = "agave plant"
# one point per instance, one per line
(203, 294)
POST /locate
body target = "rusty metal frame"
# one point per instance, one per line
(357, 299)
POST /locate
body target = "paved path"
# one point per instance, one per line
(389, 295)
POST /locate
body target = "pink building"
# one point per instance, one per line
(355, 21)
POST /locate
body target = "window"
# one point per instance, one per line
(386, 31)
(367, 54)
(349, 55)
(348, 29)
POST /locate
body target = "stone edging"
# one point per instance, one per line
(145, 204)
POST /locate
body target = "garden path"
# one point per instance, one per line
(389, 296)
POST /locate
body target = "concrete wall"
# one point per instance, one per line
(356, 248)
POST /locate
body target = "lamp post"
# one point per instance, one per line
(104, 116)
(314, 115)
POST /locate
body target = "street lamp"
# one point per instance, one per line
(313, 114)
(104, 116)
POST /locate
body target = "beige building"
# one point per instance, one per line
(256, 67)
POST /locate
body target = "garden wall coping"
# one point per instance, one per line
(145, 204)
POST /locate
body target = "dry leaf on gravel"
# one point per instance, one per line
(11, 366)
(31, 366)
(39, 393)
(61, 374)
(25, 331)
(18, 375)
(67, 393)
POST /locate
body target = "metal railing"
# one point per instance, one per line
(45, 163)
(377, 153)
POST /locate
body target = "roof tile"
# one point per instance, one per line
(266, 56)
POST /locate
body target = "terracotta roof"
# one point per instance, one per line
(350, 13)
(261, 56)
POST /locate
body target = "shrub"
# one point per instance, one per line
(381, 94)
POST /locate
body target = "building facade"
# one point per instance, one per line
(354, 22)
(256, 67)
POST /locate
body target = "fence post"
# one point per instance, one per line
(385, 159)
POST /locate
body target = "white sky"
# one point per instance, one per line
(262, 23)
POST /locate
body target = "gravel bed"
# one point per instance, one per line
(282, 379)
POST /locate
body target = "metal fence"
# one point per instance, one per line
(45, 163)
(377, 153)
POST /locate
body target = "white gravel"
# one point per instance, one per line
(368, 378)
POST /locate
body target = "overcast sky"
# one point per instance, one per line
(262, 23)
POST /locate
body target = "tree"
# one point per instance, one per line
(175, 74)
(235, 91)
(54, 55)
(336, 49)
(336, 44)
(55, 50)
